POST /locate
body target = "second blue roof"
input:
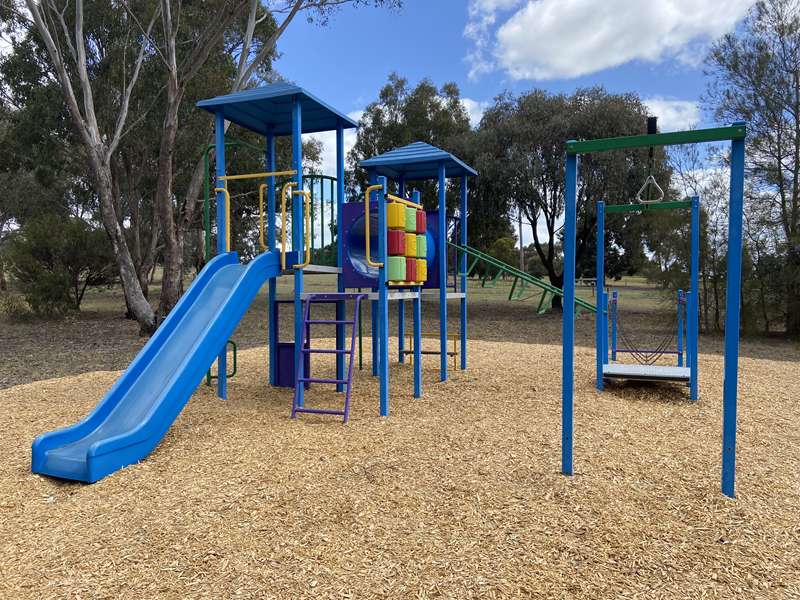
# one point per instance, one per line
(417, 161)
(270, 107)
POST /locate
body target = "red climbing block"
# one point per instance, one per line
(411, 270)
(422, 221)
(396, 242)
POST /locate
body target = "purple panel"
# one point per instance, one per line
(355, 271)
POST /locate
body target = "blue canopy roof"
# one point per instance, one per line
(417, 161)
(271, 105)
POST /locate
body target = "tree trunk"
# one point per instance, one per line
(3, 281)
(135, 299)
(173, 251)
(793, 292)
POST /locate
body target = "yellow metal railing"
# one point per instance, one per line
(224, 190)
(284, 195)
(367, 192)
(227, 216)
(307, 229)
(257, 175)
(394, 198)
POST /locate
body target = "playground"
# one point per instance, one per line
(378, 426)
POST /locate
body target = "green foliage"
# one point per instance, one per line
(402, 115)
(55, 260)
(505, 249)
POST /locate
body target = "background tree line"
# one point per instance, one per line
(98, 125)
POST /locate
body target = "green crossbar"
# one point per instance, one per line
(622, 208)
(522, 275)
(695, 136)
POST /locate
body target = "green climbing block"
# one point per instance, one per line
(396, 268)
(411, 219)
(422, 246)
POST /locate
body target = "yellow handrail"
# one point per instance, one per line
(394, 198)
(227, 216)
(257, 175)
(306, 235)
(284, 192)
(261, 241)
(369, 189)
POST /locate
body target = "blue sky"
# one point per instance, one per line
(488, 46)
(655, 49)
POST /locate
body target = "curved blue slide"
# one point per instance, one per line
(141, 406)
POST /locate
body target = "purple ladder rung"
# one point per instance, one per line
(320, 380)
(325, 351)
(320, 411)
(328, 322)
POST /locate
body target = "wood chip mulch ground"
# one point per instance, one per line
(456, 495)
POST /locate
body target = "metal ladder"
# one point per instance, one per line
(327, 298)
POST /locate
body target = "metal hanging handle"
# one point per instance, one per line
(650, 181)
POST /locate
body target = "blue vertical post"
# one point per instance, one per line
(614, 301)
(340, 306)
(416, 305)
(298, 240)
(732, 317)
(222, 228)
(694, 314)
(374, 304)
(568, 315)
(272, 289)
(600, 315)
(462, 267)
(383, 303)
(442, 251)
(681, 301)
(401, 305)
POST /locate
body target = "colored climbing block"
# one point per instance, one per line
(422, 246)
(422, 269)
(422, 221)
(411, 270)
(397, 268)
(411, 245)
(395, 215)
(396, 242)
(411, 219)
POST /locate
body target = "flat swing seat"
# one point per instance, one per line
(646, 372)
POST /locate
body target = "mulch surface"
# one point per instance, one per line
(456, 495)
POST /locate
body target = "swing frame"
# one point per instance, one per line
(735, 134)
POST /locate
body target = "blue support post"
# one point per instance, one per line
(298, 240)
(401, 305)
(462, 266)
(272, 284)
(694, 313)
(417, 310)
(442, 251)
(222, 228)
(681, 301)
(568, 316)
(373, 179)
(732, 317)
(383, 303)
(600, 315)
(614, 301)
(340, 306)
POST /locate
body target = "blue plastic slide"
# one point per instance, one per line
(135, 414)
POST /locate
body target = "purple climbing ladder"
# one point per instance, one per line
(328, 298)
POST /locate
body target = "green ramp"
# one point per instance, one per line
(519, 276)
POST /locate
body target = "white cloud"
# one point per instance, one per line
(328, 140)
(674, 115)
(475, 110)
(548, 39)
